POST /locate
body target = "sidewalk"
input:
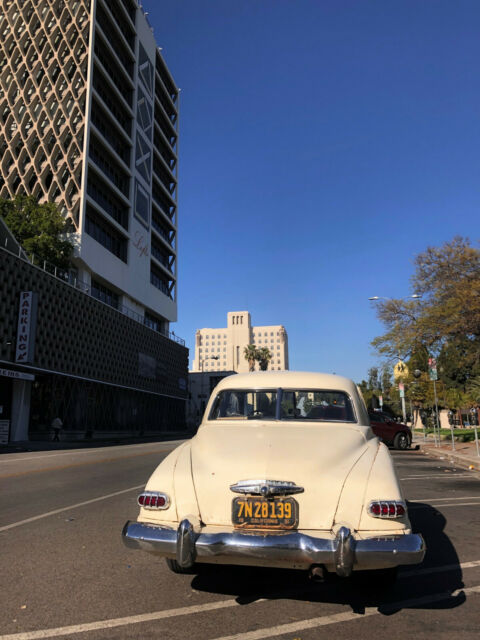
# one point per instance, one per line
(464, 455)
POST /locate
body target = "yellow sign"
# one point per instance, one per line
(400, 370)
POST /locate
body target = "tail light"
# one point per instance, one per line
(387, 509)
(153, 500)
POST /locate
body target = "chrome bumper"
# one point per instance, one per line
(287, 549)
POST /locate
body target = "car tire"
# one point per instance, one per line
(176, 568)
(401, 441)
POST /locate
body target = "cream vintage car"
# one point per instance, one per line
(284, 471)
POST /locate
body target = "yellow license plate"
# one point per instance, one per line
(260, 513)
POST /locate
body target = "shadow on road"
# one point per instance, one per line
(363, 589)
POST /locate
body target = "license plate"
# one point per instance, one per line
(260, 513)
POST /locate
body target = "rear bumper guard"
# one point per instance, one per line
(343, 552)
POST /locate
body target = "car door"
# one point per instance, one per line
(379, 426)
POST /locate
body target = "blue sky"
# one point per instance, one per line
(323, 144)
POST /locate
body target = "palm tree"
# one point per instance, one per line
(251, 354)
(264, 356)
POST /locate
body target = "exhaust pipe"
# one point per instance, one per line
(317, 573)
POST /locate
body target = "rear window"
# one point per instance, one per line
(258, 405)
(294, 404)
(325, 406)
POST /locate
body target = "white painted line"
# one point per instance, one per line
(72, 506)
(322, 621)
(446, 567)
(249, 635)
(442, 475)
(448, 504)
(76, 452)
(442, 499)
(119, 622)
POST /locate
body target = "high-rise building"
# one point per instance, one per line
(223, 349)
(88, 120)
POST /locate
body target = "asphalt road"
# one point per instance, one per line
(65, 572)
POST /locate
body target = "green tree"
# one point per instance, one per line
(250, 352)
(458, 361)
(263, 356)
(473, 391)
(39, 228)
(446, 318)
(386, 378)
(373, 381)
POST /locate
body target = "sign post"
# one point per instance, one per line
(400, 372)
(433, 375)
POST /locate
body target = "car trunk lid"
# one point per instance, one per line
(315, 457)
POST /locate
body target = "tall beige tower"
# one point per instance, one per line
(223, 349)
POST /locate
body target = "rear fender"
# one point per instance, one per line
(383, 484)
(350, 504)
(162, 479)
(185, 496)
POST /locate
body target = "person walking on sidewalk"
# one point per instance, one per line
(56, 425)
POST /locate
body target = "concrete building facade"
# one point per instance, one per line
(89, 121)
(102, 372)
(223, 349)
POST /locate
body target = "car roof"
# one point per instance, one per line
(287, 379)
(301, 380)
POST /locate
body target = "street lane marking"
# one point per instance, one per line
(448, 504)
(72, 506)
(75, 452)
(446, 567)
(224, 604)
(82, 464)
(442, 475)
(443, 499)
(322, 621)
(119, 622)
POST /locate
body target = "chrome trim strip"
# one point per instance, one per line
(266, 488)
(277, 549)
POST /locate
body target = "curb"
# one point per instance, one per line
(458, 459)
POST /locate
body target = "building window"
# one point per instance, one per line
(155, 323)
(101, 231)
(103, 293)
(142, 204)
(144, 114)
(145, 69)
(143, 158)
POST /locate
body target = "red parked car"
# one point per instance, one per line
(392, 433)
